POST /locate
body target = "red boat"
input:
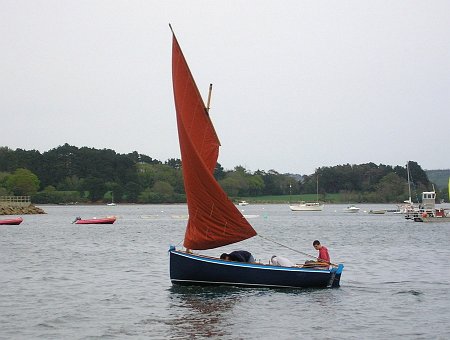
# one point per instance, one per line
(103, 220)
(12, 221)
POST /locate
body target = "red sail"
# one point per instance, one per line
(214, 220)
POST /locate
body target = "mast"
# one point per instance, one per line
(290, 192)
(317, 188)
(409, 183)
(209, 98)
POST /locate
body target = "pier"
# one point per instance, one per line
(18, 205)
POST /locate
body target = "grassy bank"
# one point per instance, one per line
(285, 199)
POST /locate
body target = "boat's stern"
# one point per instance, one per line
(336, 277)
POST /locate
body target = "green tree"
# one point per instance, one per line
(255, 185)
(239, 176)
(148, 196)
(174, 163)
(219, 172)
(23, 182)
(161, 192)
(230, 185)
(132, 191)
(276, 183)
(391, 188)
(418, 175)
(8, 159)
(114, 191)
(163, 188)
(70, 183)
(96, 188)
(149, 174)
(3, 183)
(309, 184)
(4, 179)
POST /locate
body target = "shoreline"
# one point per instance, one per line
(30, 210)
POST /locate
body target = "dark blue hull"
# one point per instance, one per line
(190, 269)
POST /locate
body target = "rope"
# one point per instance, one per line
(295, 250)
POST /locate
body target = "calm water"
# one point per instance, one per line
(64, 281)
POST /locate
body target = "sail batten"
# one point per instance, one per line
(214, 220)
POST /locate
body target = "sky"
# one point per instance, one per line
(297, 85)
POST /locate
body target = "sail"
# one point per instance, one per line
(214, 220)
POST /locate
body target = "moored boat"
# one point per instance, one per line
(95, 220)
(408, 209)
(11, 221)
(111, 204)
(427, 211)
(351, 209)
(214, 220)
(377, 212)
(306, 206)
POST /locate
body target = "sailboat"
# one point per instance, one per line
(407, 208)
(111, 204)
(309, 206)
(214, 220)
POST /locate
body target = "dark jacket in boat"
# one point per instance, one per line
(240, 256)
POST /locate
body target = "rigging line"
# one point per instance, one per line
(297, 251)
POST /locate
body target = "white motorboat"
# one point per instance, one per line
(351, 209)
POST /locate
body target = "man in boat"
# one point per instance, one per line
(323, 257)
(238, 256)
(323, 260)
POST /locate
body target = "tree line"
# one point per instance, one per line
(68, 174)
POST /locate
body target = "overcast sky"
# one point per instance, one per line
(297, 84)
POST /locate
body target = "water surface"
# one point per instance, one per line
(65, 281)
